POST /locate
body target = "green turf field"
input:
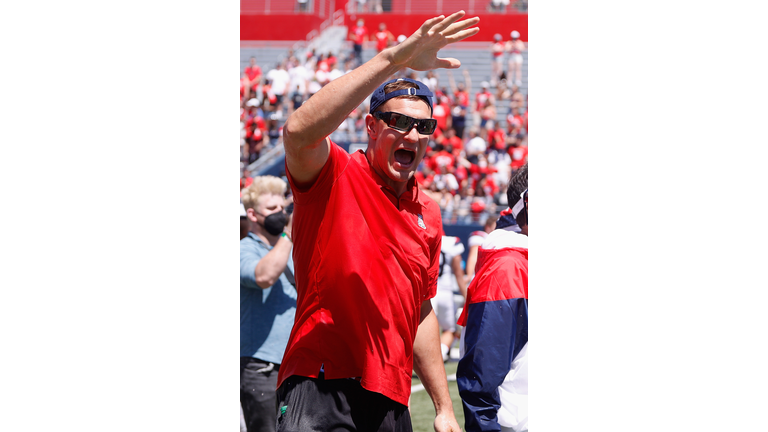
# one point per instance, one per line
(422, 410)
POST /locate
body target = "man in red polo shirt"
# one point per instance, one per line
(367, 245)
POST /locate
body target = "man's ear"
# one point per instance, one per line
(370, 126)
(251, 214)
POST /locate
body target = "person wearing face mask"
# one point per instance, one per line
(267, 298)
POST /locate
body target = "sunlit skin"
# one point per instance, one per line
(384, 141)
(266, 205)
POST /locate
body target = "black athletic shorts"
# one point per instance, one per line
(316, 404)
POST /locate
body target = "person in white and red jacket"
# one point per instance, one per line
(492, 375)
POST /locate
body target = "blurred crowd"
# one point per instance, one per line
(473, 152)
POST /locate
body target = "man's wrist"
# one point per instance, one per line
(286, 235)
(389, 55)
(444, 409)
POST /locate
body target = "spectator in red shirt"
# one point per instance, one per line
(497, 138)
(518, 153)
(483, 95)
(322, 64)
(358, 35)
(487, 113)
(497, 55)
(253, 72)
(383, 37)
(515, 121)
(481, 98)
(246, 179)
(365, 314)
(255, 143)
(461, 172)
(442, 113)
(442, 158)
(461, 90)
(453, 141)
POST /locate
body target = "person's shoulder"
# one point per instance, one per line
(502, 238)
(250, 244)
(479, 233)
(476, 238)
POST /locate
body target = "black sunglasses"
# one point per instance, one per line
(404, 123)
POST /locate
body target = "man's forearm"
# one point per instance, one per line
(321, 114)
(428, 364)
(273, 264)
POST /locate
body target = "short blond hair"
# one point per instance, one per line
(262, 185)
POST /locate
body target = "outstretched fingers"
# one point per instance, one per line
(462, 35)
(428, 24)
(443, 24)
(461, 25)
(448, 63)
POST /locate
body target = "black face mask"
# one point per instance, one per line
(275, 223)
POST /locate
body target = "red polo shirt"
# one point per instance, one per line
(364, 261)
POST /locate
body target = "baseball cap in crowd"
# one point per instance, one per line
(515, 34)
(477, 206)
(401, 38)
(484, 84)
(379, 97)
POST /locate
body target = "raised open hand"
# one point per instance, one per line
(419, 51)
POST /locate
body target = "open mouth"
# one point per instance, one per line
(405, 157)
